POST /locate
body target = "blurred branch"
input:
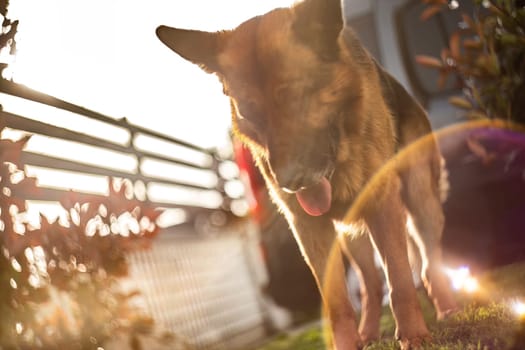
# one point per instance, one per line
(487, 56)
(4, 4)
(8, 32)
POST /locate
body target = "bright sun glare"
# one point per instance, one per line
(105, 56)
(518, 307)
(462, 280)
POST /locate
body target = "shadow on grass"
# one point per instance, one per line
(487, 321)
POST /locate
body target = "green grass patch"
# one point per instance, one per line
(486, 322)
(310, 339)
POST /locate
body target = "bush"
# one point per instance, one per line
(59, 281)
(486, 56)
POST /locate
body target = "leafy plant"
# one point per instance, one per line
(7, 34)
(59, 282)
(487, 57)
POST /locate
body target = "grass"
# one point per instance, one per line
(486, 322)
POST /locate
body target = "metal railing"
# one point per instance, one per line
(137, 176)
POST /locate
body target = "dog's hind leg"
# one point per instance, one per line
(426, 221)
(317, 239)
(385, 216)
(360, 252)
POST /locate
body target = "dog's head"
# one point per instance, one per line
(288, 86)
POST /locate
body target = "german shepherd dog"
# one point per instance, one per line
(321, 117)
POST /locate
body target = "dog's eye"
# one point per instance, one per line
(249, 110)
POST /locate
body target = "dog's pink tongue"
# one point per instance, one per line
(316, 199)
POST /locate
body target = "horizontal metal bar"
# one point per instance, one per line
(145, 154)
(63, 164)
(138, 129)
(57, 195)
(33, 126)
(151, 179)
(190, 209)
(22, 91)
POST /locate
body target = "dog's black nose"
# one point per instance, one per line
(288, 190)
(289, 179)
(293, 179)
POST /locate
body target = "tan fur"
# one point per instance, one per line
(312, 106)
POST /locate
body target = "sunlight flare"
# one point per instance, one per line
(518, 308)
(462, 280)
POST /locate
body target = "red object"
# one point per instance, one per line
(253, 180)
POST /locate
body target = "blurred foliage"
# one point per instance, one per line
(3, 7)
(487, 56)
(59, 281)
(7, 34)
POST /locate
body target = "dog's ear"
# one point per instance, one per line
(318, 24)
(195, 46)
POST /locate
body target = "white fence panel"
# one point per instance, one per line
(206, 289)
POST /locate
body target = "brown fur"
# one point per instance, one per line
(310, 102)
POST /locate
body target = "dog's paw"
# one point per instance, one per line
(345, 344)
(414, 343)
(444, 314)
(414, 338)
(368, 337)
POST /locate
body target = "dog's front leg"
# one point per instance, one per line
(422, 201)
(386, 218)
(317, 239)
(360, 252)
